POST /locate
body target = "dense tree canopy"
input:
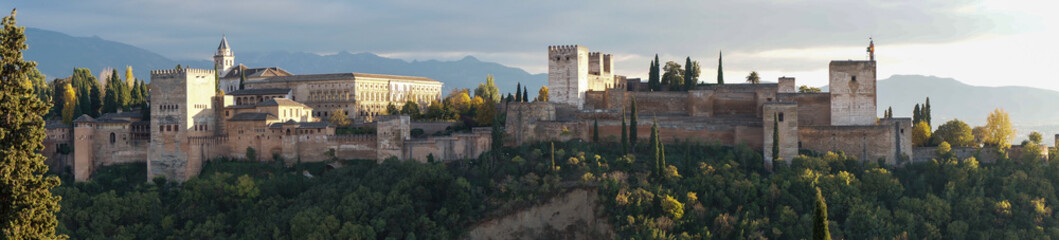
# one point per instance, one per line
(956, 133)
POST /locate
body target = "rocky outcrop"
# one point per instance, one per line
(573, 215)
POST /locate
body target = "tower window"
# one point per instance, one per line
(112, 138)
(853, 78)
(781, 117)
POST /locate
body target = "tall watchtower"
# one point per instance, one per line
(567, 74)
(181, 109)
(224, 59)
(852, 87)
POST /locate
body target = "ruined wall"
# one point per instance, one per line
(783, 115)
(867, 143)
(852, 88)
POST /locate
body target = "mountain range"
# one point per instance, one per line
(57, 54)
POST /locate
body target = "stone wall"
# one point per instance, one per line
(814, 109)
(181, 100)
(852, 88)
(867, 143)
(392, 132)
(449, 148)
(567, 74)
(783, 115)
(983, 155)
(523, 120)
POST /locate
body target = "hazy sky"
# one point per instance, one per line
(991, 42)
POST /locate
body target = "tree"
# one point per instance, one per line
(27, 207)
(775, 137)
(956, 133)
(944, 150)
(979, 133)
(497, 135)
(1035, 137)
(178, 67)
(69, 99)
(410, 108)
(691, 74)
(720, 71)
(808, 89)
(251, 154)
(242, 78)
(542, 95)
(926, 112)
(656, 151)
(392, 109)
(624, 134)
(674, 76)
(998, 130)
(525, 94)
(518, 92)
(339, 118)
(916, 115)
(117, 94)
(459, 100)
(920, 134)
(654, 81)
(633, 125)
(595, 131)
(130, 79)
(552, 153)
(753, 78)
(820, 229)
(485, 111)
(488, 90)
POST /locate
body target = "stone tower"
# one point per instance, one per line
(224, 59)
(852, 86)
(572, 71)
(181, 110)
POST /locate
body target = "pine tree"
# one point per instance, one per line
(926, 112)
(518, 92)
(27, 207)
(595, 131)
(916, 115)
(633, 126)
(820, 231)
(624, 134)
(720, 71)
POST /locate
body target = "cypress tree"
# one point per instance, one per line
(553, 156)
(27, 207)
(775, 137)
(96, 98)
(653, 80)
(633, 126)
(689, 78)
(926, 112)
(518, 92)
(109, 101)
(655, 150)
(662, 159)
(595, 131)
(525, 94)
(216, 79)
(624, 134)
(820, 231)
(242, 77)
(916, 115)
(720, 71)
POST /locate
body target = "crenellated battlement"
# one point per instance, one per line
(564, 49)
(182, 71)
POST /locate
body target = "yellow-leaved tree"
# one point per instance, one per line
(998, 130)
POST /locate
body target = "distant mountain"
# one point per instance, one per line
(57, 54)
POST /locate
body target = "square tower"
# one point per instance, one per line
(852, 86)
(181, 109)
(568, 74)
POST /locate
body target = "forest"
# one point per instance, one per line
(704, 191)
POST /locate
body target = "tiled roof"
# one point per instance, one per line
(252, 116)
(341, 76)
(315, 125)
(55, 124)
(256, 72)
(135, 115)
(260, 91)
(84, 118)
(280, 102)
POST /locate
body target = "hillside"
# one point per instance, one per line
(57, 54)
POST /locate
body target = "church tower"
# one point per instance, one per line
(224, 59)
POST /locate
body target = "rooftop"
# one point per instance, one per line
(253, 116)
(280, 102)
(260, 91)
(341, 76)
(256, 72)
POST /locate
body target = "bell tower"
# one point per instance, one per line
(224, 59)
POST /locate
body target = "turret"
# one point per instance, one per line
(224, 59)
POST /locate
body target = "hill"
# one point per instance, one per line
(57, 54)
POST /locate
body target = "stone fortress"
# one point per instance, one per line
(276, 113)
(844, 119)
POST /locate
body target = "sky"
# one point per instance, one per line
(983, 42)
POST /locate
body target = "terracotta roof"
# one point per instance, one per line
(280, 102)
(302, 124)
(84, 118)
(55, 124)
(252, 116)
(135, 115)
(260, 91)
(342, 76)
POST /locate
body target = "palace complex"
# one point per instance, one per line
(277, 115)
